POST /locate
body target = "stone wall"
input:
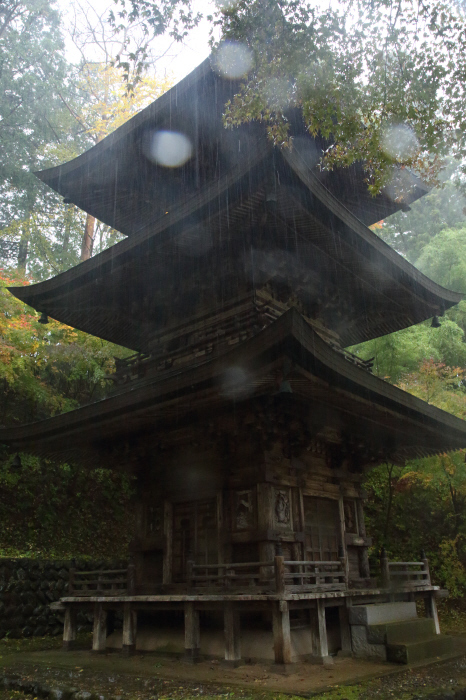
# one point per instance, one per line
(28, 586)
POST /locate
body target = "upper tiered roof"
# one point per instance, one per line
(239, 216)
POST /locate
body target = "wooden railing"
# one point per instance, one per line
(302, 576)
(411, 574)
(279, 575)
(103, 582)
(244, 575)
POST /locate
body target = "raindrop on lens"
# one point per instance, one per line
(236, 383)
(233, 60)
(169, 148)
(399, 142)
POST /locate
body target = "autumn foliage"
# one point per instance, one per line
(47, 508)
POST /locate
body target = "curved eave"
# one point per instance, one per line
(411, 427)
(148, 115)
(381, 250)
(413, 297)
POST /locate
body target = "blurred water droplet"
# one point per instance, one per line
(399, 142)
(169, 148)
(233, 60)
(226, 4)
(277, 93)
(401, 184)
(236, 383)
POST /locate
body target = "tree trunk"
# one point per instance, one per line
(23, 247)
(88, 238)
(66, 236)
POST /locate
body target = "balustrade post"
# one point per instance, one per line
(71, 581)
(425, 563)
(279, 567)
(385, 569)
(190, 573)
(344, 563)
(131, 578)
(99, 583)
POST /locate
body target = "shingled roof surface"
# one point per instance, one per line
(391, 423)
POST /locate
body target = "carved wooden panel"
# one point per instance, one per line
(351, 517)
(243, 511)
(282, 509)
(154, 520)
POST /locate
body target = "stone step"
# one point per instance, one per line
(381, 613)
(402, 632)
(430, 648)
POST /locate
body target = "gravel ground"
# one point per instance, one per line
(38, 664)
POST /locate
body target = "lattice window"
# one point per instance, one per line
(321, 528)
(194, 535)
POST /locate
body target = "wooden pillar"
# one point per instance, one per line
(265, 523)
(232, 635)
(384, 569)
(279, 569)
(431, 610)
(319, 634)
(192, 639)
(99, 636)
(69, 628)
(168, 542)
(281, 633)
(130, 618)
(345, 631)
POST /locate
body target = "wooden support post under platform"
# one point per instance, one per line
(69, 628)
(192, 639)
(99, 636)
(281, 633)
(130, 618)
(431, 611)
(232, 635)
(319, 633)
(345, 631)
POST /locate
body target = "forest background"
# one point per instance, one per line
(50, 111)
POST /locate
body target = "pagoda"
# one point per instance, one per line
(245, 273)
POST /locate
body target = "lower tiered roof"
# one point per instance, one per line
(287, 364)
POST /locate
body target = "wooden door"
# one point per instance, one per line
(321, 528)
(195, 536)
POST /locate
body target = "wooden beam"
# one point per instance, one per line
(232, 635)
(99, 635)
(281, 633)
(192, 639)
(69, 628)
(130, 618)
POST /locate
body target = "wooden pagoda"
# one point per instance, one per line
(245, 273)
